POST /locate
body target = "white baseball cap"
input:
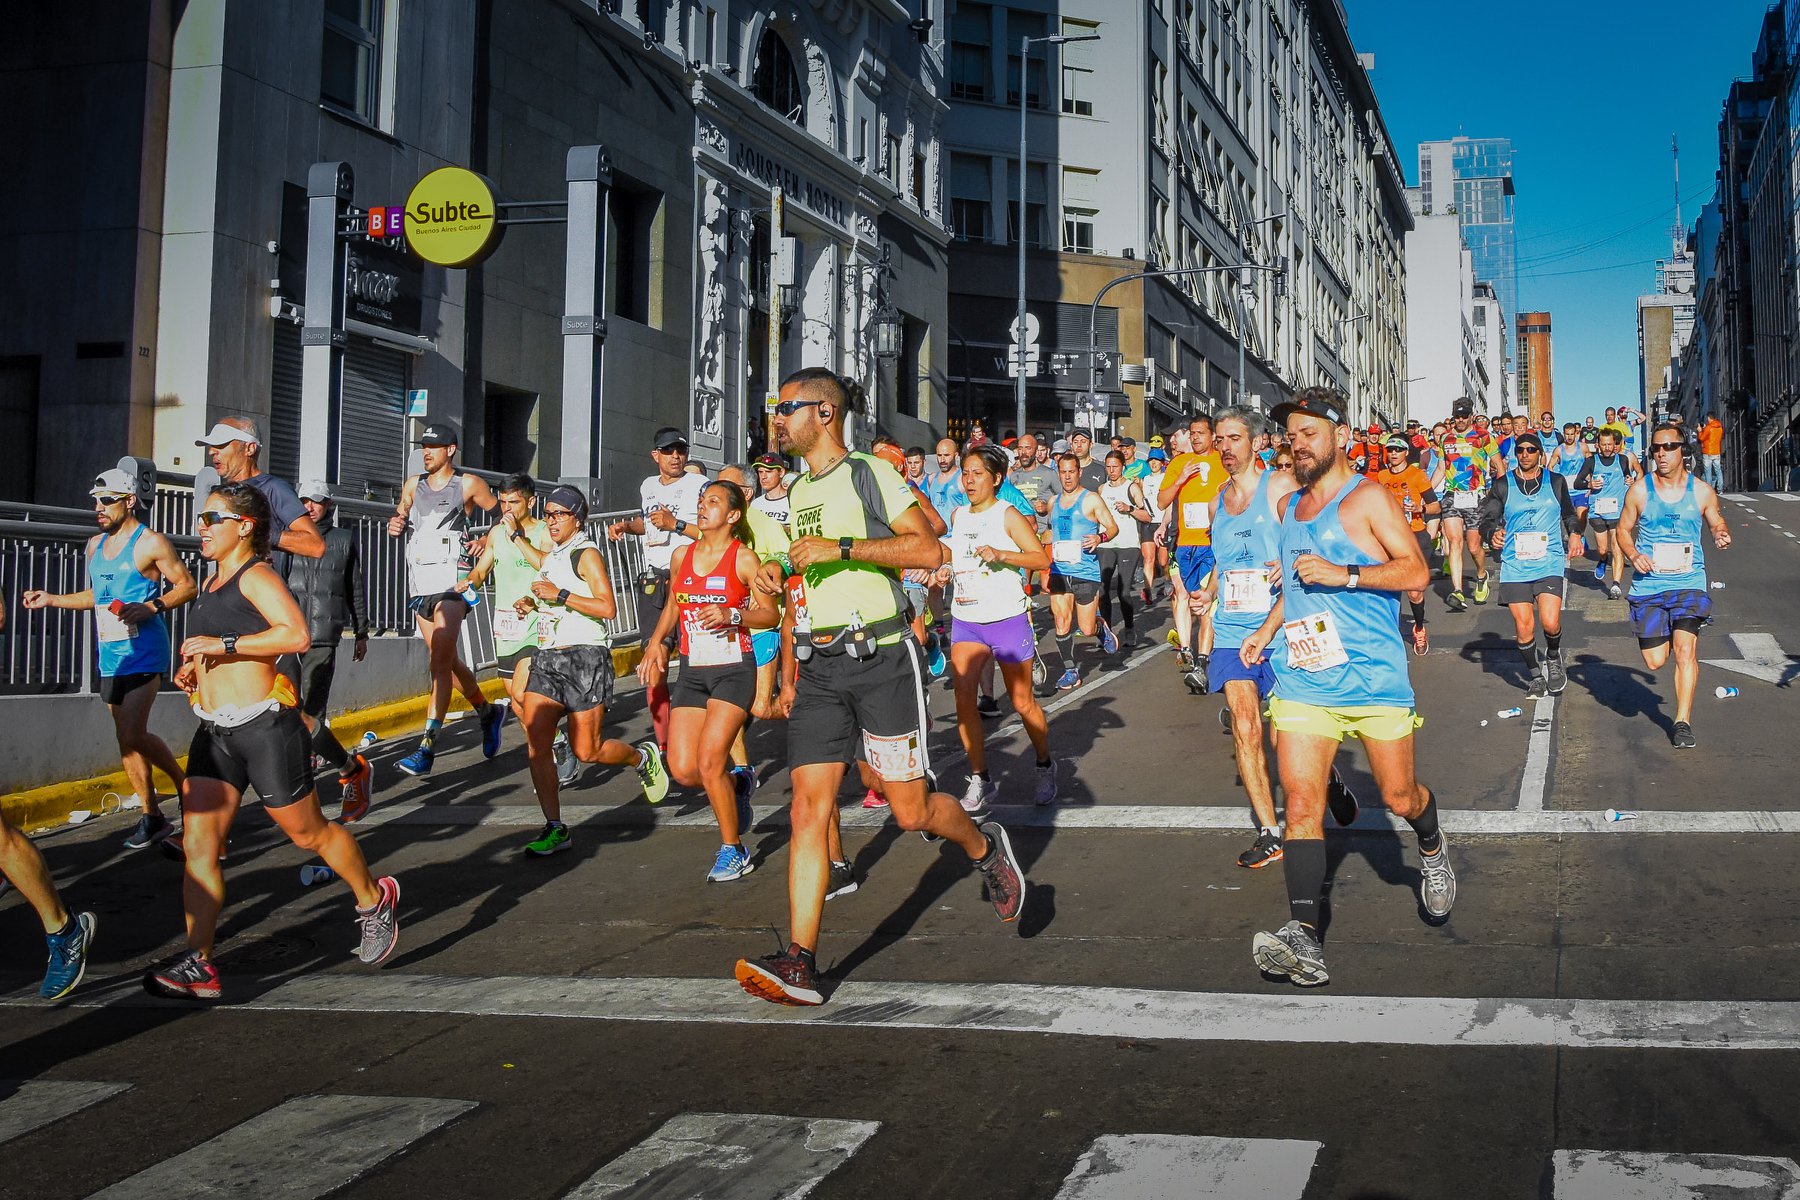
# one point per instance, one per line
(318, 489)
(115, 482)
(223, 434)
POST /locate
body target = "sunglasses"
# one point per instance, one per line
(788, 408)
(1529, 450)
(1671, 447)
(551, 514)
(213, 516)
(109, 501)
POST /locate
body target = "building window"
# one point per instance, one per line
(634, 259)
(1019, 26)
(776, 81)
(350, 59)
(1078, 230)
(1077, 88)
(918, 181)
(971, 197)
(1036, 196)
(1078, 69)
(971, 50)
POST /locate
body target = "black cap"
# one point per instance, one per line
(1313, 404)
(1127, 441)
(570, 498)
(1528, 437)
(1462, 407)
(440, 433)
(667, 438)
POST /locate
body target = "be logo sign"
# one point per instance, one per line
(451, 218)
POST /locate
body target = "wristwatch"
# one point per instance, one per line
(1355, 580)
(516, 534)
(844, 544)
(562, 596)
(156, 602)
(230, 641)
(737, 617)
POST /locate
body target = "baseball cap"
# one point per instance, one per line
(1081, 433)
(570, 498)
(667, 438)
(116, 482)
(1060, 446)
(1156, 441)
(1158, 455)
(892, 455)
(1397, 442)
(316, 490)
(223, 434)
(1314, 405)
(1463, 407)
(440, 433)
(772, 461)
(1126, 441)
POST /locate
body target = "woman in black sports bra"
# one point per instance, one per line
(250, 734)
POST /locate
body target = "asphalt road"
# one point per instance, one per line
(1612, 1010)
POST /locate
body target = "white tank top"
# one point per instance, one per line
(1152, 489)
(984, 592)
(1113, 495)
(563, 626)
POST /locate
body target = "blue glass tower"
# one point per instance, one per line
(1476, 175)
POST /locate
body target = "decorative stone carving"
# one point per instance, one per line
(821, 92)
(712, 137)
(715, 260)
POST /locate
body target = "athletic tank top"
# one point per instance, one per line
(984, 592)
(225, 610)
(1609, 501)
(1669, 533)
(1153, 489)
(142, 649)
(1068, 525)
(709, 647)
(512, 580)
(436, 544)
(1242, 546)
(1534, 532)
(562, 626)
(1567, 461)
(1115, 494)
(1338, 647)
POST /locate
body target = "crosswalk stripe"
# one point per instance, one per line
(1152, 1166)
(39, 1102)
(1621, 1175)
(300, 1149)
(729, 1155)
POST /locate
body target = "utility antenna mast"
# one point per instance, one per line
(1680, 230)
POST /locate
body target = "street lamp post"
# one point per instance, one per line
(1019, 321)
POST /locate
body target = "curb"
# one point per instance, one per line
(44, 807)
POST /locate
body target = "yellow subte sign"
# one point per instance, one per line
(451, 218)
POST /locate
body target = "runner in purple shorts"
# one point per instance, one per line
(993, 547)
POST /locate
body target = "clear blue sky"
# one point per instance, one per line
(1589, 91)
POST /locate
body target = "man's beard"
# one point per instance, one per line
(1310, 474)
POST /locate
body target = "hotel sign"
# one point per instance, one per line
(798, 189)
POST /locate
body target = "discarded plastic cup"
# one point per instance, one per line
(368, 739)
(1615, 816)
(310, 875)
(1484, 724)
(1717, 584)
(1505, 713)
(1725, 693)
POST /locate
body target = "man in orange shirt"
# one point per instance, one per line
(1712, 444)
(1188, 488)
(1410, 486)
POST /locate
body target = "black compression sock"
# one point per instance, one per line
(1418, 611)
(1065, 648)
(1425, 827)
(1528, 652)
(1553, 642)
(1303, 862)
(327, 747)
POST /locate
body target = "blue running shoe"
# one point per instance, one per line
(1109, 641)
(1068, 679)
(732, 863)
(418, 762)
(743, 786)
(68, 957)
(1600, 570)
(934, 658)
(490, 729)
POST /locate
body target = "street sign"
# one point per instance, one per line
(416, 401)
(1031, 330)
(451, 218)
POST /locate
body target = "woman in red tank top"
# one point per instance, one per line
(714, 607)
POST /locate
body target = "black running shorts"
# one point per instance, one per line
(1527, 591)
(269, 753)
(114, 688)
(734, 683)
(875, 706)
(577, 677)
(1085, 591)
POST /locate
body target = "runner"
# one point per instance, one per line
(1150, 545)
(713, 611)
(943, 486)
(771, 488)
(250, 733)
(669, 502)
(1346, 552)
(1419, 503)
(1119, 554)
(860, 676)
(993, 547)
(1567, 459)
(331, 595)
(435, 506)
(572, 673)
(1194, 477)
(1470, 463)
(1079, 523)
(1039, 483)
(134, 578)
(233, 448)
(1659, 532)
(1531, 525)
(1607, 477)
(1091, 471)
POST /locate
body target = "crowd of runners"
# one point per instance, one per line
(827, 587)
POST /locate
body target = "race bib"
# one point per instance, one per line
(1313, 643)
(1196, 514)
(429, 549)
(1672, 558)
(509, 626)
(108, 628)
(1066, 552)
(895, 759)
(1531, 547)
(1247, 591)
(1463, 501)
(713, 647)
(1606, 506)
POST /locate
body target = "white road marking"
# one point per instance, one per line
(1536, 780)
(730, 1154)
(1739, 497)
(1788, 496)
(1622, 1175)
(39, 1102)
(1157, 1166)
(1760, 657)
(1273, 1016)
(302, 1148)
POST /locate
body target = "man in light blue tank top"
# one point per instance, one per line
(1079, 522)
(1606, 477)
(1528, 518)
(1347, 552)
(1660, 535)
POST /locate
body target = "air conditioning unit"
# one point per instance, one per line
(1135, 372)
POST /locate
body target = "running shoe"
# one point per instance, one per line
(1184, 659)
(1225, 720)
(1600, 572)
(934, 658)
(733, 862)
(151, 828)
(874, 799)
(1421, 641)
(1456, 602)
(1264, 850)
(841, 882)
(1683, 737)
(567, 765)
(381, 924)
(1437, 881)
(783, 978)
(1196, 678)
(1537, 687)
(359, 788)
(553, 840)
(1000, 869)
(651, 772)
(979, 794)
(1341, 800)
(1068, 680)
(1558, 673)
(1614, 591)
(172, 849)
(1292, 951)
(418, 762)
(1045, 792)
(987, 706)
(1109, 641)
(68, 957)
(743, 786)
(1173, 638)
(1040, 670)
(187, 977)
(1481, 589)
(491, 722)
(1144, 593)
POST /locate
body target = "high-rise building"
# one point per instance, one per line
(1443, 347)
(1665, 323)
(1537, 396)
(1492, 329)
(1476, 175)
